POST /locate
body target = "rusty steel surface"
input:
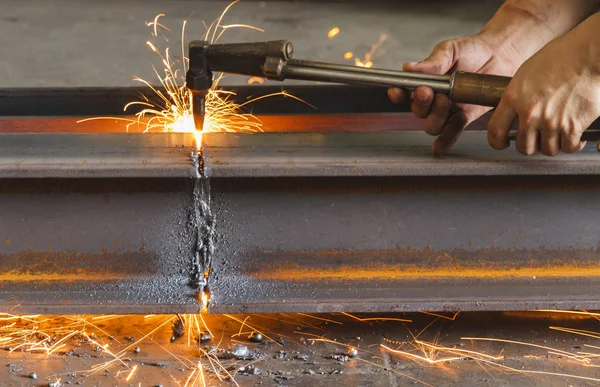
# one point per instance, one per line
(97, 223)
(324, 223)
(376, 154)
(61, 155)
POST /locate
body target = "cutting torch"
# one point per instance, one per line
(273, 60)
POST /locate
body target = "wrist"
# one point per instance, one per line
(592, 35)
(518, 28)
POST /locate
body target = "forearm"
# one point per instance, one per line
(585, 38)
(525, 26)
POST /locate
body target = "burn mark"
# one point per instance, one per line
(205, 223)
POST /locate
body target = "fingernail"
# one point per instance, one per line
(422, 97)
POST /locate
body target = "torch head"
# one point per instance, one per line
(262, 59)
(198, 79)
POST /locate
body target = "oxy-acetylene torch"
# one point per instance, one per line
(273, 60)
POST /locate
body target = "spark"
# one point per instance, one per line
(196, 377)
(376, 318)
(155, 24)
(550, 350)
(348, 55)
(367, 61)
(333, 32)
(321, 318)
(427, 359)
(254, 328)
(452, 318)
(128, 378)
(396, 372)
(169, 106)
(581, 332)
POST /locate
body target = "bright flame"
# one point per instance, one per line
(169, 108)
(173, 110)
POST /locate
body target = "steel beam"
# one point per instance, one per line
(109, 223)
(374, 223)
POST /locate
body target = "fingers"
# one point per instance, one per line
(527, 141)
(571, 143)
(450, 133)
(398, 96)
(422, 101)
(499, 126)
(438, 115)
(440, 61)
(549, 142)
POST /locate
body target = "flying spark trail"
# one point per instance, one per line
(333, 32)
(168, 108)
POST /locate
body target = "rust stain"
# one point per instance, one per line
(414, 272)
(405, 263)
(65, 266)
(70, 277)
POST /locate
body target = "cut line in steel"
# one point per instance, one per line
(296, 222)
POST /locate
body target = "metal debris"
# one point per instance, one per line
(249, 370)
(33, 376)
(204, 337)
(302, 356)
(352, 352)
(256, 337)
(340, 358)
(178, 329)
(241, 352)
(137, 350)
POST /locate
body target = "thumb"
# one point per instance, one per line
(440, 61)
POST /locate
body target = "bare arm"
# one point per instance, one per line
(555, 94)
(517, 31)
(528, 25)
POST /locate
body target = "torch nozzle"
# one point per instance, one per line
(198, 108)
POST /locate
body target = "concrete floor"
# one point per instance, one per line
(294, 359)
(102, 43)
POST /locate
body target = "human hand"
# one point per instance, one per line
(555, 95)
(444, 119)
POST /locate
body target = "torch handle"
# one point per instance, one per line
(477, 89)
